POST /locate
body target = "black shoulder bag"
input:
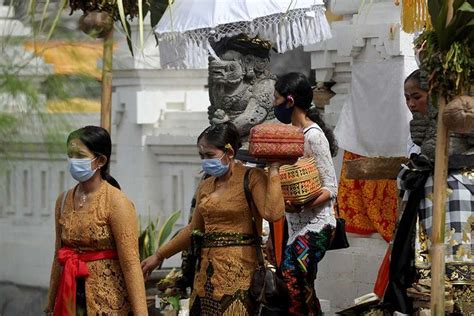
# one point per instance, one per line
(267, 288)
(339, 240)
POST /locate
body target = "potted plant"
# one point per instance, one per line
(151, 238)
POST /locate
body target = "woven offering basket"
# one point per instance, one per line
(276, 141)
(374, 168)
(300, 182)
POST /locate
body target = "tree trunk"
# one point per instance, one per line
(106, 100)
(438, 248)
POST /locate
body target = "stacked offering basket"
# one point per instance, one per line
(276, 141)
(300, 182)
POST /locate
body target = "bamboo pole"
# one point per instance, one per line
(438, 247)
(106, 99)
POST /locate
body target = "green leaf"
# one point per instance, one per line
(167, 228)
(466, 7)
(129, 39)
(146, 7)
(152, 240)
(31, 7)
(7, 121)
(141, 245)
(434, 8)
(62, 5)
(157, 9)
(174, 301)
(123, 20)
(43, 15)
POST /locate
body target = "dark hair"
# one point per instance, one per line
(414, 76)
(219, 135)
(297, 86)
(98, 141)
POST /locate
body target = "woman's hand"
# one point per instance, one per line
(151, 263)
(270, 252)
(323, 196)
(278, 162)
(292, 208)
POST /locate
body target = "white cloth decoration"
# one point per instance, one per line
(374, 121)
(186, 27)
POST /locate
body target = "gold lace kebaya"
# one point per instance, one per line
(228, 254)
(108, 222)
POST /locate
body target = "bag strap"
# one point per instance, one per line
(314, 127)
(258, 238)
(337, 208)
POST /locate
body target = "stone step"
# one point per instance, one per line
(184, 119)
(325, 306)
(182, 123)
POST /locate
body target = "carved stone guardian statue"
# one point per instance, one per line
(240, 84)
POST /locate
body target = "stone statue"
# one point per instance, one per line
(240, 84)
(423, 132)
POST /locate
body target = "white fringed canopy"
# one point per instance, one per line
(187, 25)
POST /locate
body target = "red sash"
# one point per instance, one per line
(74, 266)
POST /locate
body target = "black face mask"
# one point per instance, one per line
(283, 113)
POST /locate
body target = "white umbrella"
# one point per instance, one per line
(187, 25)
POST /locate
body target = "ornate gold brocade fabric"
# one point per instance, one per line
(114, 286)
(225, 271)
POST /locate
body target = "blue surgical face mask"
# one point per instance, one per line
(214, 167)
(81, 169)
(283, 113)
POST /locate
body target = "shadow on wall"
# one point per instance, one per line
(295, 60)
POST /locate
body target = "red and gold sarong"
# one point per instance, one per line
(368, 206)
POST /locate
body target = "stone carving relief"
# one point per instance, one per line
(423, 131)
(240, 83)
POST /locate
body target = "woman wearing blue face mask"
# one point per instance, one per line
(96, 268)
(310, 227)
(224, 221)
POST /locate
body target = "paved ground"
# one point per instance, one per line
(24, 301)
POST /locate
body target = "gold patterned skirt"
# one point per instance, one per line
(223, 276)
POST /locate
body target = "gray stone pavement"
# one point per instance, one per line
(17, 300)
